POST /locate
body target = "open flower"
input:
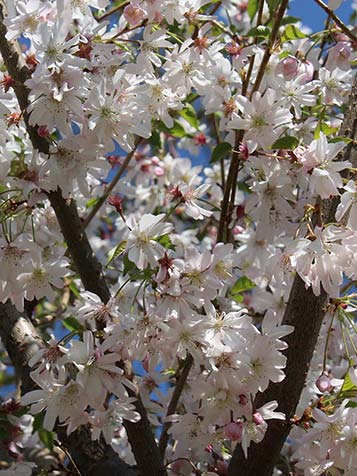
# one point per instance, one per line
(142, 247)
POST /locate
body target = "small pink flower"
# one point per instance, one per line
(159, 171)
(133, 14)
(288, 67)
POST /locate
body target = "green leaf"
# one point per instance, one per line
(259, 31)
(38, 421)
(220, 151)
(6, 379)
(74, 289)
(72, 324)
(328, 130)
(242, 284)
(5, 434)
(46, 437)
(155, 139)
(128, 265)
(91, 202)
(115, 252)
(348, 389)
(273, 5)
(166, 242)
(189, 114)
(288, 20)
(284, 54)
(347, 140)
(287, 142)
(291, 32)
(325, 128)
(177, 130)
(252, 8)
(237, 298)
(18, 168)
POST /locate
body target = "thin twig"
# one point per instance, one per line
(112, 11)
(110, 187)
(268, 50)
(229, 192)
(337, 20)
(68, 454)
(164, 438)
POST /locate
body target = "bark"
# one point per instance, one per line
(22, 341)
(140, 436)
(305, 312)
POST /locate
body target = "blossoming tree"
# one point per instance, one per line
(178, 239)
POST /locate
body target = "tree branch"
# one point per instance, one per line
(22, 341)
(305, 312)
(110, 187)
(164, 438)
(80, 249)
(337, 20)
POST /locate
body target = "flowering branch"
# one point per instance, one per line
(110, 187)
(22, 342)
(305, 312)
(229, 192)
(80, 250)
(337, 20)
(112, 11)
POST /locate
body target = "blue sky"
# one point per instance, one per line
(313, 16)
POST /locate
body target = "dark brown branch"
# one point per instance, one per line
(268, 51)
(79, 247)
(305, 312)
(231, 183)
(146, 452)
(164, 438)
(21, 341)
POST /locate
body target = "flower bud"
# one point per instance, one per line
(257, 418)
(323, 383)
(234, 431)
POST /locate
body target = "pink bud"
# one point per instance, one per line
(133, 14)
(159, 172)
(288, 67)
(257, 418)
(243, 151)
(42, 131)
(323, 383)
(237, 229)
(209, 448)
(155, 160)
(234, 431)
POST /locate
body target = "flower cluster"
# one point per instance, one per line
(153, 118)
